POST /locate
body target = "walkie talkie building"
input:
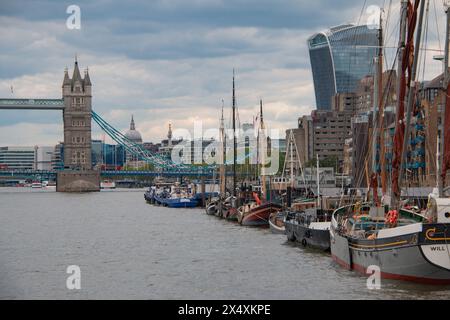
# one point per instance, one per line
(340, 57)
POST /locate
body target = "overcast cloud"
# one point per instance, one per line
(169, 60)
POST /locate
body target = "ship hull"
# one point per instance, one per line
(158, 201)
(276, 223)
(181, 203)
(421, 256)
(212, 208)
(149, 197)
(307, 236)
(231, 214)
(276, 229)
(259, 216)
(176, 202)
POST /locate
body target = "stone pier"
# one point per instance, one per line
(78, 181)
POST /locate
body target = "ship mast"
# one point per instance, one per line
(443, 152)
(262, 150)
(377, 111)
(399, 175)
(381, 101)
(411, 93)
(234, 139)
(291, 136)
(290, 158)
(319, 202)
(222, 155)
(400, 53)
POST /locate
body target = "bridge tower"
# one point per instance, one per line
(77, 96)
(78, 175)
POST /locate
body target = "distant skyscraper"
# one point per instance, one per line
(340, 57)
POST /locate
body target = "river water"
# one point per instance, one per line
(127, 249)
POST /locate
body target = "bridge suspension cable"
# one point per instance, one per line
(158, 161)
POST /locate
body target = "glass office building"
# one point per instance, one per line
(109, 155)
(340, 57)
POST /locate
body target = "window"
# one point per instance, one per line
(77, 102)
(78, 123)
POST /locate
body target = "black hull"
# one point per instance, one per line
(318, 239)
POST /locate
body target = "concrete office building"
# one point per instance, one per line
(26, 158)
(323, 133)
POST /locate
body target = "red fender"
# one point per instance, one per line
(257, 199)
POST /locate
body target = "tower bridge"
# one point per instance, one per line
(76, 105)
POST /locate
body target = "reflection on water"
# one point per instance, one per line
(128, 249)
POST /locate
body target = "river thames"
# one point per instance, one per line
(127, 249)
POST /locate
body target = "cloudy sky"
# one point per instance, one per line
(172, 60)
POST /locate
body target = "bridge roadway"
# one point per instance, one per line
(52, 173)
(31, 104)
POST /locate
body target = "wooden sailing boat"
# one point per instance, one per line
(257, 212)
(404, 244)
(229, 205)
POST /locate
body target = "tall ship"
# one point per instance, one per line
(406, 243)
(225, 204)
(257, 211)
